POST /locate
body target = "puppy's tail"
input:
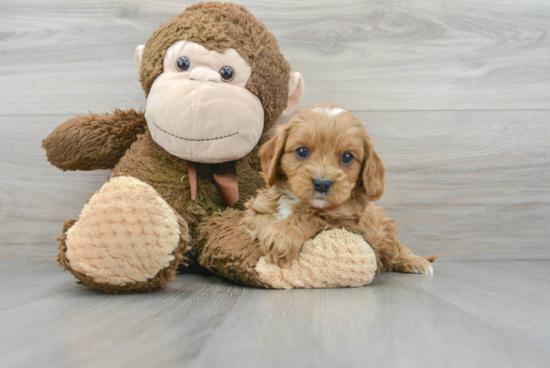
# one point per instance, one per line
(432, 258)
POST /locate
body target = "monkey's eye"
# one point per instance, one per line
(227, 73)
(184, 63)
(347, 158)
(302, 153)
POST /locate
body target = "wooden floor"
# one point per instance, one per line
(456, 95)
(468, 314)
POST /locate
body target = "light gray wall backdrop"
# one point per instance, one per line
(456, 95)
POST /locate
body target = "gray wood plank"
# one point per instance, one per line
(398, 320)
(391, 323)
(86, 328)
(67, 57)
(464, 185)
(467, 184)
(36, 197)
(510, 295)
(24, 281)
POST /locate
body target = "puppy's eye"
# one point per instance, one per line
(184, 63)
(302, 153)
(347, 158)
(227, 73)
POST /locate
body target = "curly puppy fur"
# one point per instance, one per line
(291, 211)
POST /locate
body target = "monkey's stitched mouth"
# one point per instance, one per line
(195, 140)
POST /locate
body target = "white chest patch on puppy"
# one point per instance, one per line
(285, 206)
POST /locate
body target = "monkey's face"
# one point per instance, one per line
(199, 108)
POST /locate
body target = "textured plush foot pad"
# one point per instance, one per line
(127, 234)
(334, 258)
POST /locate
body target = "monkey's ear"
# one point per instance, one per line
(296, 88)
(138, 55)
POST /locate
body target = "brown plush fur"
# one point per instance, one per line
(121, 141)
(150, 163)
(290, 212)
(227, 250)
(94, 142)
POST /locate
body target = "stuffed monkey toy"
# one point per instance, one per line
(216, 82)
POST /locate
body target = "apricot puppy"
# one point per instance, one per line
(322, 173)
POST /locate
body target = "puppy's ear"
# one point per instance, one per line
(373, 173)
(272, 151)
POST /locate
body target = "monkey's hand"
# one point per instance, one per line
(93, 142)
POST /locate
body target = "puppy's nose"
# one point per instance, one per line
(322, 185)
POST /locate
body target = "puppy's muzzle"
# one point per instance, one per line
(321, 185)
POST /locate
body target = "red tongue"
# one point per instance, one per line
(225, 177)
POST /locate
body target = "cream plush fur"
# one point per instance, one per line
(126, 233)
(334, 258)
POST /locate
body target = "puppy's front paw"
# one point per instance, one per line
(415, 264)
(280, 250)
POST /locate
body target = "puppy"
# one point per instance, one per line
(322, 173)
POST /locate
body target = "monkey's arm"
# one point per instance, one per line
(93, 142)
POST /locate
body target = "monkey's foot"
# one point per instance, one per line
(127, 239)
(334, 258)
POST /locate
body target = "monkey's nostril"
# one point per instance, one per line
(322, 185)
